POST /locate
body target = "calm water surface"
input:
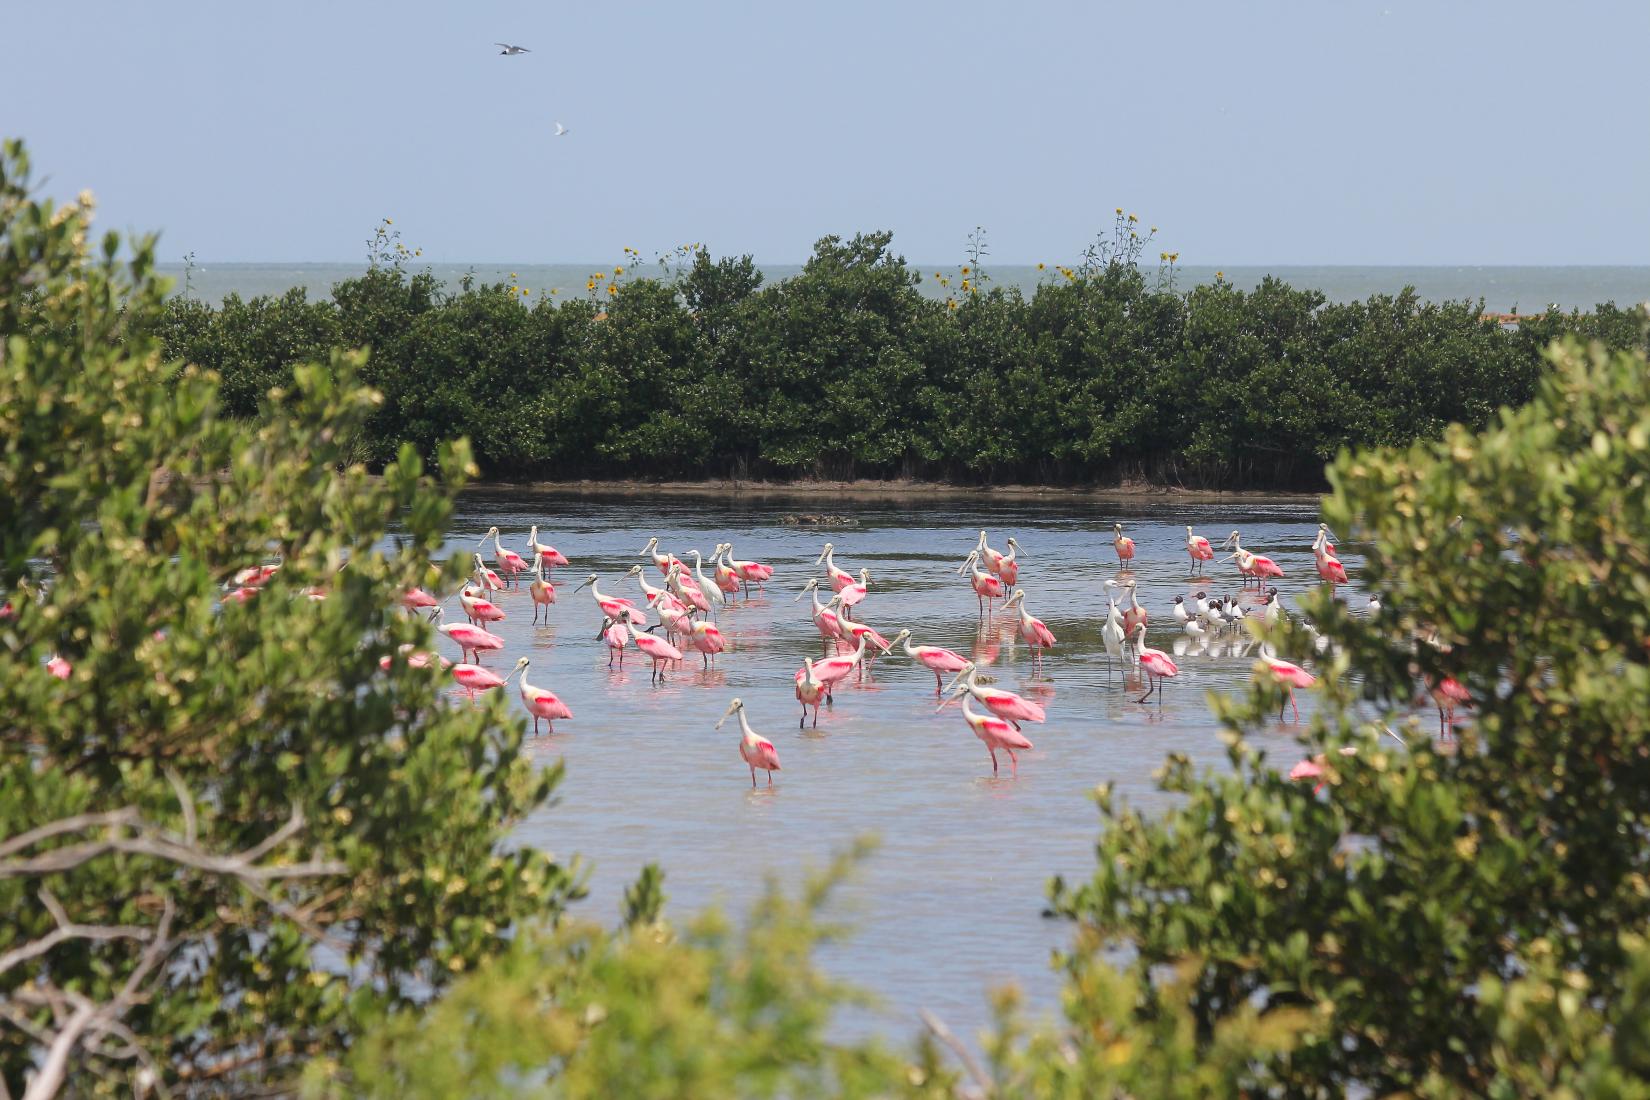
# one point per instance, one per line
(951, 903)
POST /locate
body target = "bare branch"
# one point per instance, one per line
(186, 802)
(67, 930)
(949, 1038)
(125, 816)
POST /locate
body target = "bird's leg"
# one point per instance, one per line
(1148, 694)
(770, 777)
(993, 753)
(1281, 704)
(1292, 705)
(1013, 763)
(753, 777)
(936, 683)
(816, 714)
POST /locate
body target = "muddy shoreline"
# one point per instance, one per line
(883, 490)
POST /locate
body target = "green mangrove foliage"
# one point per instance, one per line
(846, 370)
(228, 836)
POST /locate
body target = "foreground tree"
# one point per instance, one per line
(227, 836)
(1458, 917)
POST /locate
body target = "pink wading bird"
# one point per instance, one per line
(726, 579)
(1329, 566)
(810, 689)
(652, 595)
(657, 650)
(415, 659)
(1032, 630)
(477, 608)
(825, 617)
(931, 657)
(833, 670)
(1008, 565)
(662, 561)
(1448, 694)
(615, 634)
(986, 587)
(1135, 615)
(470, 639)
(60, 668)
(542, 591)
(749, 571)
(1156, 663)
(1199, 549)
(855, 593)
(685, 590)
(1289, 677)
(542, 703)
(509, 562)
(486, 579)
(1123, 545)
(754, 749)
(840, 578)
(1004, 704)
(996, 733)
(552, 556)
(991, 559)
(1254, 567)
(474, 678)
(614, 607)
(415, 598)
(707, 640)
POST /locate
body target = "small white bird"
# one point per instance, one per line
(1194, 629)
(1374, 608)
(511, 51)
(562, 131)
(1180, 610)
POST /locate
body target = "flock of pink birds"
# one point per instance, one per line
(684, 603)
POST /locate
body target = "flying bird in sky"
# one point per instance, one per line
(511, 51)
(561, 130)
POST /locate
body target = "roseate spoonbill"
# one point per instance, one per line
(1123, 545)
(707, 640)
(509, 562)
(856, 592)
(684, 588)
(486, 579)
(1307, 769)
(552, 556)
(1004, 704)
(651, 594)
(542, 591)
(60, 668)
(663, 561)
(826, 620)
(1329, 566)
(705, 584)
(1032, 630)
(748, 571)
(840, 578)
(415, 658)
(1199, 549)
(1157, 664)
(1254, 567)
(1135, 616)
(239, 595)
(474, 678)
(810, 689)
(415, 598)
(1289, 677)
(479, 609)
(542, 703)
(989, 558)
(832, 670)
(256, 576)
(754, 749)
(1008, 566)
(986, 587)
(932, 657)
(997, 734)
(614, 607)
(615, 634)
(1447, 693)
(853, 631)
(470, 638)
(726, 579)
(657, 650)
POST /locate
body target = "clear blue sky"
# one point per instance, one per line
(1309, 131)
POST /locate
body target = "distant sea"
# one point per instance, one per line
(1503, 289)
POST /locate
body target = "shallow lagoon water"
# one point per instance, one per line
(951, 903)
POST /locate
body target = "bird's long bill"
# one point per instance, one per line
(729, 714)
(947, 701)
(970, 560)
(1228, 540)
(583, 585)
(957, 679)
(807, 588)
(513, 671)
(822, 554)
